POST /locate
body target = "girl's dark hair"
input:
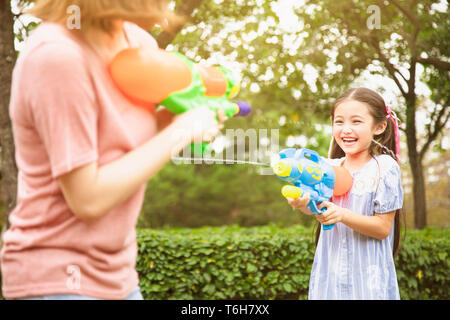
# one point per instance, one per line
(377, 108)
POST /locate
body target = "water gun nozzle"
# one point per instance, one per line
(282, 168)
(244, 109)
(291, 192)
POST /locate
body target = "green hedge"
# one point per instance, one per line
(225, 263)
(423, 265)
(268, 263)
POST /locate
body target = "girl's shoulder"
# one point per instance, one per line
(386, 164)
(380, 170)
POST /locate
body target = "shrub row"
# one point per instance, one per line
(268, 263)
(423, 265)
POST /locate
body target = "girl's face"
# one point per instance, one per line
(353, 127)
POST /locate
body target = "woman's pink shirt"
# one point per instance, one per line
(66, 113)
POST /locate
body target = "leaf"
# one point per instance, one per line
(251, 268)
(287, 287)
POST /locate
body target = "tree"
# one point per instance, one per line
(438, 190)
(209, 11)
(333, 39)
(340, 39)
(7, 61)
(183, 9)
(411, 33)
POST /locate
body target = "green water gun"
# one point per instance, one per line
(157, 76)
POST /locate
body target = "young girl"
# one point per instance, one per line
(355, 259)
(84, 153)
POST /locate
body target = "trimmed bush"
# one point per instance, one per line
(225, 263)
(268, 263)
(423, 265)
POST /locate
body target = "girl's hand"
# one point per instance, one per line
(332, 215)
(300, 203)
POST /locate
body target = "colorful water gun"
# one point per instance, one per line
(309, 173)
(156, 76)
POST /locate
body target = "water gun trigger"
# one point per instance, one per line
(320, 210)
(312, 205)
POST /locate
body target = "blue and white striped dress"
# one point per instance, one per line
(347, 264)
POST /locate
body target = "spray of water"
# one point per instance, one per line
(227, 161)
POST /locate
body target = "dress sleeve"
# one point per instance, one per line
(389, 194)
(63, 105)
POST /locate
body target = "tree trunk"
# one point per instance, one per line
(7, 61)
(420, 208)
(420, 219)
(184, 10)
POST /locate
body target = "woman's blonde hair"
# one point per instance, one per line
(102, 13)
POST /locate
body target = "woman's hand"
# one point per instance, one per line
(164, 117)
(201, 123)
(332, 215)
(300, 203)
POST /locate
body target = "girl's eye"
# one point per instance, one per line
(356, 121)
(338, 122)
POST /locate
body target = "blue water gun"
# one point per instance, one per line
(308, 172)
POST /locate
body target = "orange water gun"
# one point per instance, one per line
(157, 76)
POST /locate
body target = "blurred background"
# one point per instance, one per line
(294, 58)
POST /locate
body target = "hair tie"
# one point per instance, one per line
(391, 114)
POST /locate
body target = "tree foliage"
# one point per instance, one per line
(291, 71)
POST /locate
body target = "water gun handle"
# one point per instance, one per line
(327, 227)
(312, 205)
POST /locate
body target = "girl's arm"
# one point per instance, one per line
(91, 191)
(377, 226)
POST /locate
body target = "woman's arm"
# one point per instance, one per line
(377, 226)
(91, 191)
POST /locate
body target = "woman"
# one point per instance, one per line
(84, 152)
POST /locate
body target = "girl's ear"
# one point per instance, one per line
(380, 127)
